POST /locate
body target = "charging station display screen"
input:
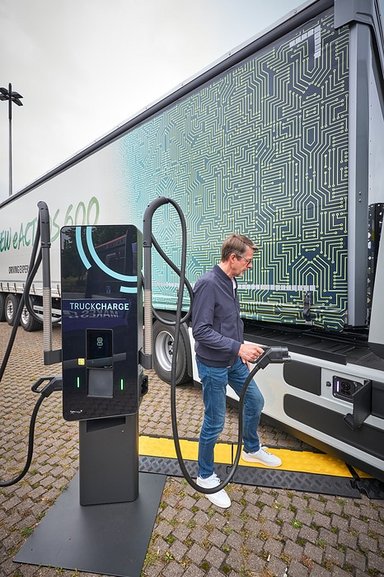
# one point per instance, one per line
(99, 261)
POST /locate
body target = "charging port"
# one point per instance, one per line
(343, 388)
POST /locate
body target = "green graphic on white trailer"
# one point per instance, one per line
(252, 152)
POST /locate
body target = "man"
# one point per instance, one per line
(222, 357)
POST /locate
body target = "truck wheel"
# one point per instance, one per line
(28, 322)
(11, 304)
(2, 307)
(163, 338)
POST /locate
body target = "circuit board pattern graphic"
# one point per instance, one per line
(261, 150)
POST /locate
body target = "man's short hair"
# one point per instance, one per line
(236, 243)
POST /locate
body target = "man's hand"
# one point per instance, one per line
(250, 352)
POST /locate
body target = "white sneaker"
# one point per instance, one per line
(220, 499)
(262, 456)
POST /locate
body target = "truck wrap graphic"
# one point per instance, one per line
(252, 153)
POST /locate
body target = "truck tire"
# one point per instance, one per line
(163, 338)
(28, 322)
(11, 305)
(2, 307)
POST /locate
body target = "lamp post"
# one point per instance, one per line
(11, 97)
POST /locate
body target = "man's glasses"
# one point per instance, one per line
(247, 260)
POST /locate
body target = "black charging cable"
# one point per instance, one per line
(54, 383)
(32, 269)
(272, 354)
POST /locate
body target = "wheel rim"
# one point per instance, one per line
(164, 349)
(25, 316)
(10, 310)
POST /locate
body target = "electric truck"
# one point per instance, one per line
(281, 140)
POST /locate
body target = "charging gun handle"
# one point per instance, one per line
(45, 241)
(271, 355)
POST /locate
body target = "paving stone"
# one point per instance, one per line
(327, 537)
(178, 550)
(304, 517)
(322, 520)
(217, 537)
(181, 532)
(339, 572)
(173, 569)
(347, 539)
(235, 559)
(193, 571)
(276, 566)
(376, 562)
(296, 569)
(367, 543)
(313, 552)
(254, 564)
(215, 557)
(153, 569)
(334, 556)
(196, 553)
(273, 547)
(318, 571)
(309, 534)
(355, 559)
(219, 521)
(293, 550)
(213, 572)
(252, 543)
(376, 527)
(199, 535)
(164, 528)
(235, 540)
(289, 532)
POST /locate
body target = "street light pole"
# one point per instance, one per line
(11, 97)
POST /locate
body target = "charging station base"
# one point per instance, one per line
(108, 539)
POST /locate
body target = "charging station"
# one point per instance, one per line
(102, 523)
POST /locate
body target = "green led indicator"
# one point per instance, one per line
(121, 384)
(78, 382)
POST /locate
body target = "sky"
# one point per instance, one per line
(84, 67)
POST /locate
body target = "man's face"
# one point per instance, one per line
(239, 264)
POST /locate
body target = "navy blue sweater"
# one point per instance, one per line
(216, 324)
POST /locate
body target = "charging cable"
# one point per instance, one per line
(270, 355)
(54, 383)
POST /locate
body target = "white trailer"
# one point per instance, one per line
(282, 140)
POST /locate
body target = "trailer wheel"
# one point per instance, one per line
(11, 305)
(2, 307)
(163, 339)
(27, 321)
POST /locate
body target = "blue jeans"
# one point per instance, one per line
(214, 382)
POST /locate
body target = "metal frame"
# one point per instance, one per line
(366, 52)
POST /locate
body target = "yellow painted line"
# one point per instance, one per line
(298, 461)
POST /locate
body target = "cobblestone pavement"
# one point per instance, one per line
(266, 532)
